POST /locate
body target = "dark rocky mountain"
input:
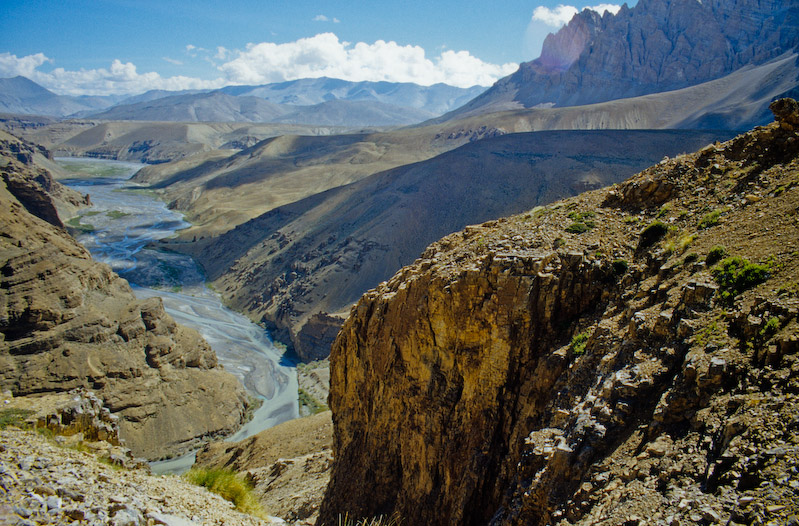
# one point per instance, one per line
(656, 46)
(20, 95)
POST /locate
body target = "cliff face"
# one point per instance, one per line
(656, 46)
(67, 322)
(588, 361)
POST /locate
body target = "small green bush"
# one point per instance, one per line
(229, 486)
(711, 219)
(735, 275)
(652, 234)
(715, 255)
(578, 343)
(313, 405)
(578, 228)
(620, 266)
(14, 417)
(770, 328)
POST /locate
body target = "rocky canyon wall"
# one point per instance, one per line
(67, 321)
(602, 360)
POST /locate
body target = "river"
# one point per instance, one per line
(123, 220)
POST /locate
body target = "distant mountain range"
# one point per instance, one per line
(21, 95)
(322, 101)
(656, 46)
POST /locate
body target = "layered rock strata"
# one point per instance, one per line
(596, 361)
(67, 321)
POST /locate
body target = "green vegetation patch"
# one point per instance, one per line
(711, 218)
(116, 214)
(583, 222)
(14, 417)
(620, 266)
(380, 520)
(229, 486)
(715, 255)
(735, 275)
(313, 405)
(85, 228)
(652, 234)
(578, 343)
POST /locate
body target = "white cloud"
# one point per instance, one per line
(11, 65)
(602, 8)
(173, 61)
(557, 17)
(324, 55)
(561, 15)
(320, 18)
(120, 78)
(317, 56)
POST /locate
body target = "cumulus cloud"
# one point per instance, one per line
(560, 15)
(119, 78)
(11, 65)
(173, 61)
(324, 55)
(556, 17)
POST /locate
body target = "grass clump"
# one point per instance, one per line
(229, 486)
(715, 255)
(380, 520)
(620, 266)
(652, 234)
(771, 327)
(735, 275)
(313, 405)
(578, 343)
(583, 222)
(85, 228)
(116, 214)
(14, 417)
(711, 218)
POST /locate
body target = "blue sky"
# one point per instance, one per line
(128, 46)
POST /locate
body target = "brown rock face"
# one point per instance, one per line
(533, 371)
(68, 322)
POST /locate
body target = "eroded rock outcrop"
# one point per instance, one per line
(595, 361)
(67, 321)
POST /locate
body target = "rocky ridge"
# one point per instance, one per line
(603, 360)
(67, 321)
(655, 46)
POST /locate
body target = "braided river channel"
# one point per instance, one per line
(122, 221)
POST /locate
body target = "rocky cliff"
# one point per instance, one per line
(67, 322)
(628, 356)
(656, 46)
(294, 266)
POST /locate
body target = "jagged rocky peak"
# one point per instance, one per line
(69, 322)
(655, 46)
(627, 356)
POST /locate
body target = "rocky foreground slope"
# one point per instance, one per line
(67, 321)
(628, 356)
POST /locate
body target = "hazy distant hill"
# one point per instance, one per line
(220, 107)
(656, 46)
(20, 95)
(436, 99)
(202, 107)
